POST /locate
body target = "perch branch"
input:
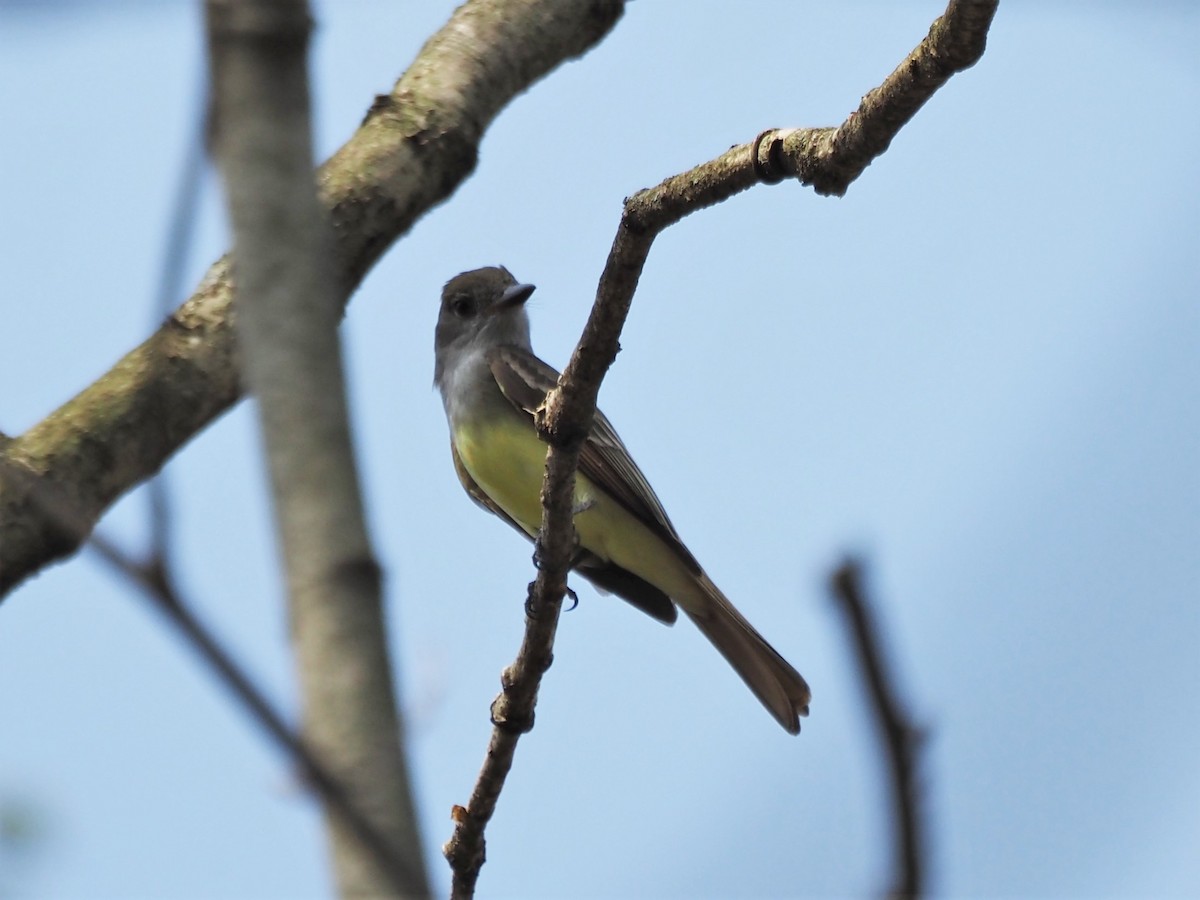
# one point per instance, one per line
(829, 159)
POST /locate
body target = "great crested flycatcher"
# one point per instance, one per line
(491, 385)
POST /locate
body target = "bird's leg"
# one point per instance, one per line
(578, 553)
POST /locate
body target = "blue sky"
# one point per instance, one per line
(980, 370)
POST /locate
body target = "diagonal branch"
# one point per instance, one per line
(416, 146)
(826, 158)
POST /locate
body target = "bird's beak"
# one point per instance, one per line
(513, 297)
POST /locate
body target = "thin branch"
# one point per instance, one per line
(901, 740)
(416, 146)
(287, 323)
(157, 586)
(828, 159)
(180, 231)
(512, 716)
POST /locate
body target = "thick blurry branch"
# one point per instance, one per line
(901, 740)
(154, 579)
(826, 158)
(287, 326)
(416, 146)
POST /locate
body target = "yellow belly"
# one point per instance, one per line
(506, 460)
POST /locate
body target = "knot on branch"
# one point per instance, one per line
(510, 716)
(360, 574)
(466, 851)
(767, 156)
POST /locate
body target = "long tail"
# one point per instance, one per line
(779, 687)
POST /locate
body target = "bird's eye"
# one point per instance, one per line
(462, 307)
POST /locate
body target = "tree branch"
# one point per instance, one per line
(180, 230)
(826, 158)
(287, 326)
(900, 738)
(416, 146)
(830, 159)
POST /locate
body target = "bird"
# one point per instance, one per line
(491, 385)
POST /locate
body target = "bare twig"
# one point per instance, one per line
(180, 231)
(827, 158)
(156, 584)
(288, 313)
(416, 146)
(900, 738)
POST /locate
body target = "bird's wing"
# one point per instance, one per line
(525, 380)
